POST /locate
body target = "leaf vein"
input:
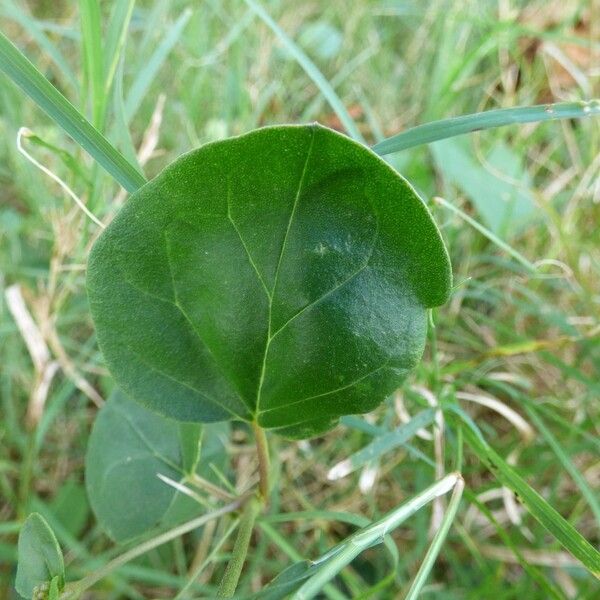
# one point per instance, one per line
(235, 227)
(328, 393)
(334, 289)
(289, 225)
(181, 383)
(145, 441)
(193, 326)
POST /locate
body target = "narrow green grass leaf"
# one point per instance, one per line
(116, 36)
(16, 13)
(186, 590)
(120, 131)
(534, 573)
(550, 413)
(329, 565)
(381, 445)
(294, 574)
(22, 72)
(437, 543)
(148, 73)
(566, 462)
(311, 70)
(439, 130)
(315, 515)
(547, 516)
(91, 40)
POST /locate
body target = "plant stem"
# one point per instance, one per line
(240, 549)
(264, 466)
(77, 587)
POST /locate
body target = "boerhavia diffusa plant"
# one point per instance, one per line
(281, 280)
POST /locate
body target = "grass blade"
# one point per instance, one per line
(91, 40)
(566, 462)
(547, 516)
(22, 72)
(436, 543)
(311, 70)
(382, 444)
(148, 73)
(283, 544)
(490, 235)
(121, 133)
(439, 130)
(533, 572)
(115, 39)
(334, 561)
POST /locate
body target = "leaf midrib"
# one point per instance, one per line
(329, 392)
(277, 269)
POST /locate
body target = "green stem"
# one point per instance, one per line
(264, 464)
(240, 549)
(76, 588)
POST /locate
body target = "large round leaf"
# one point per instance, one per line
(281, 276)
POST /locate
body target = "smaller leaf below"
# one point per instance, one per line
(129, 447)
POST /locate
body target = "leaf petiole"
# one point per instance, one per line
(264, 463)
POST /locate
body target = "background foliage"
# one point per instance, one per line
(516, 350)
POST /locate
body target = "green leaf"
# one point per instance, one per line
(40, 557)
(282, 276)
(129, 446)
(547, 516)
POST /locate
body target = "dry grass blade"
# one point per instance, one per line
(45, 368)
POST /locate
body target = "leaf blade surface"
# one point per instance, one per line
(281, 276)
